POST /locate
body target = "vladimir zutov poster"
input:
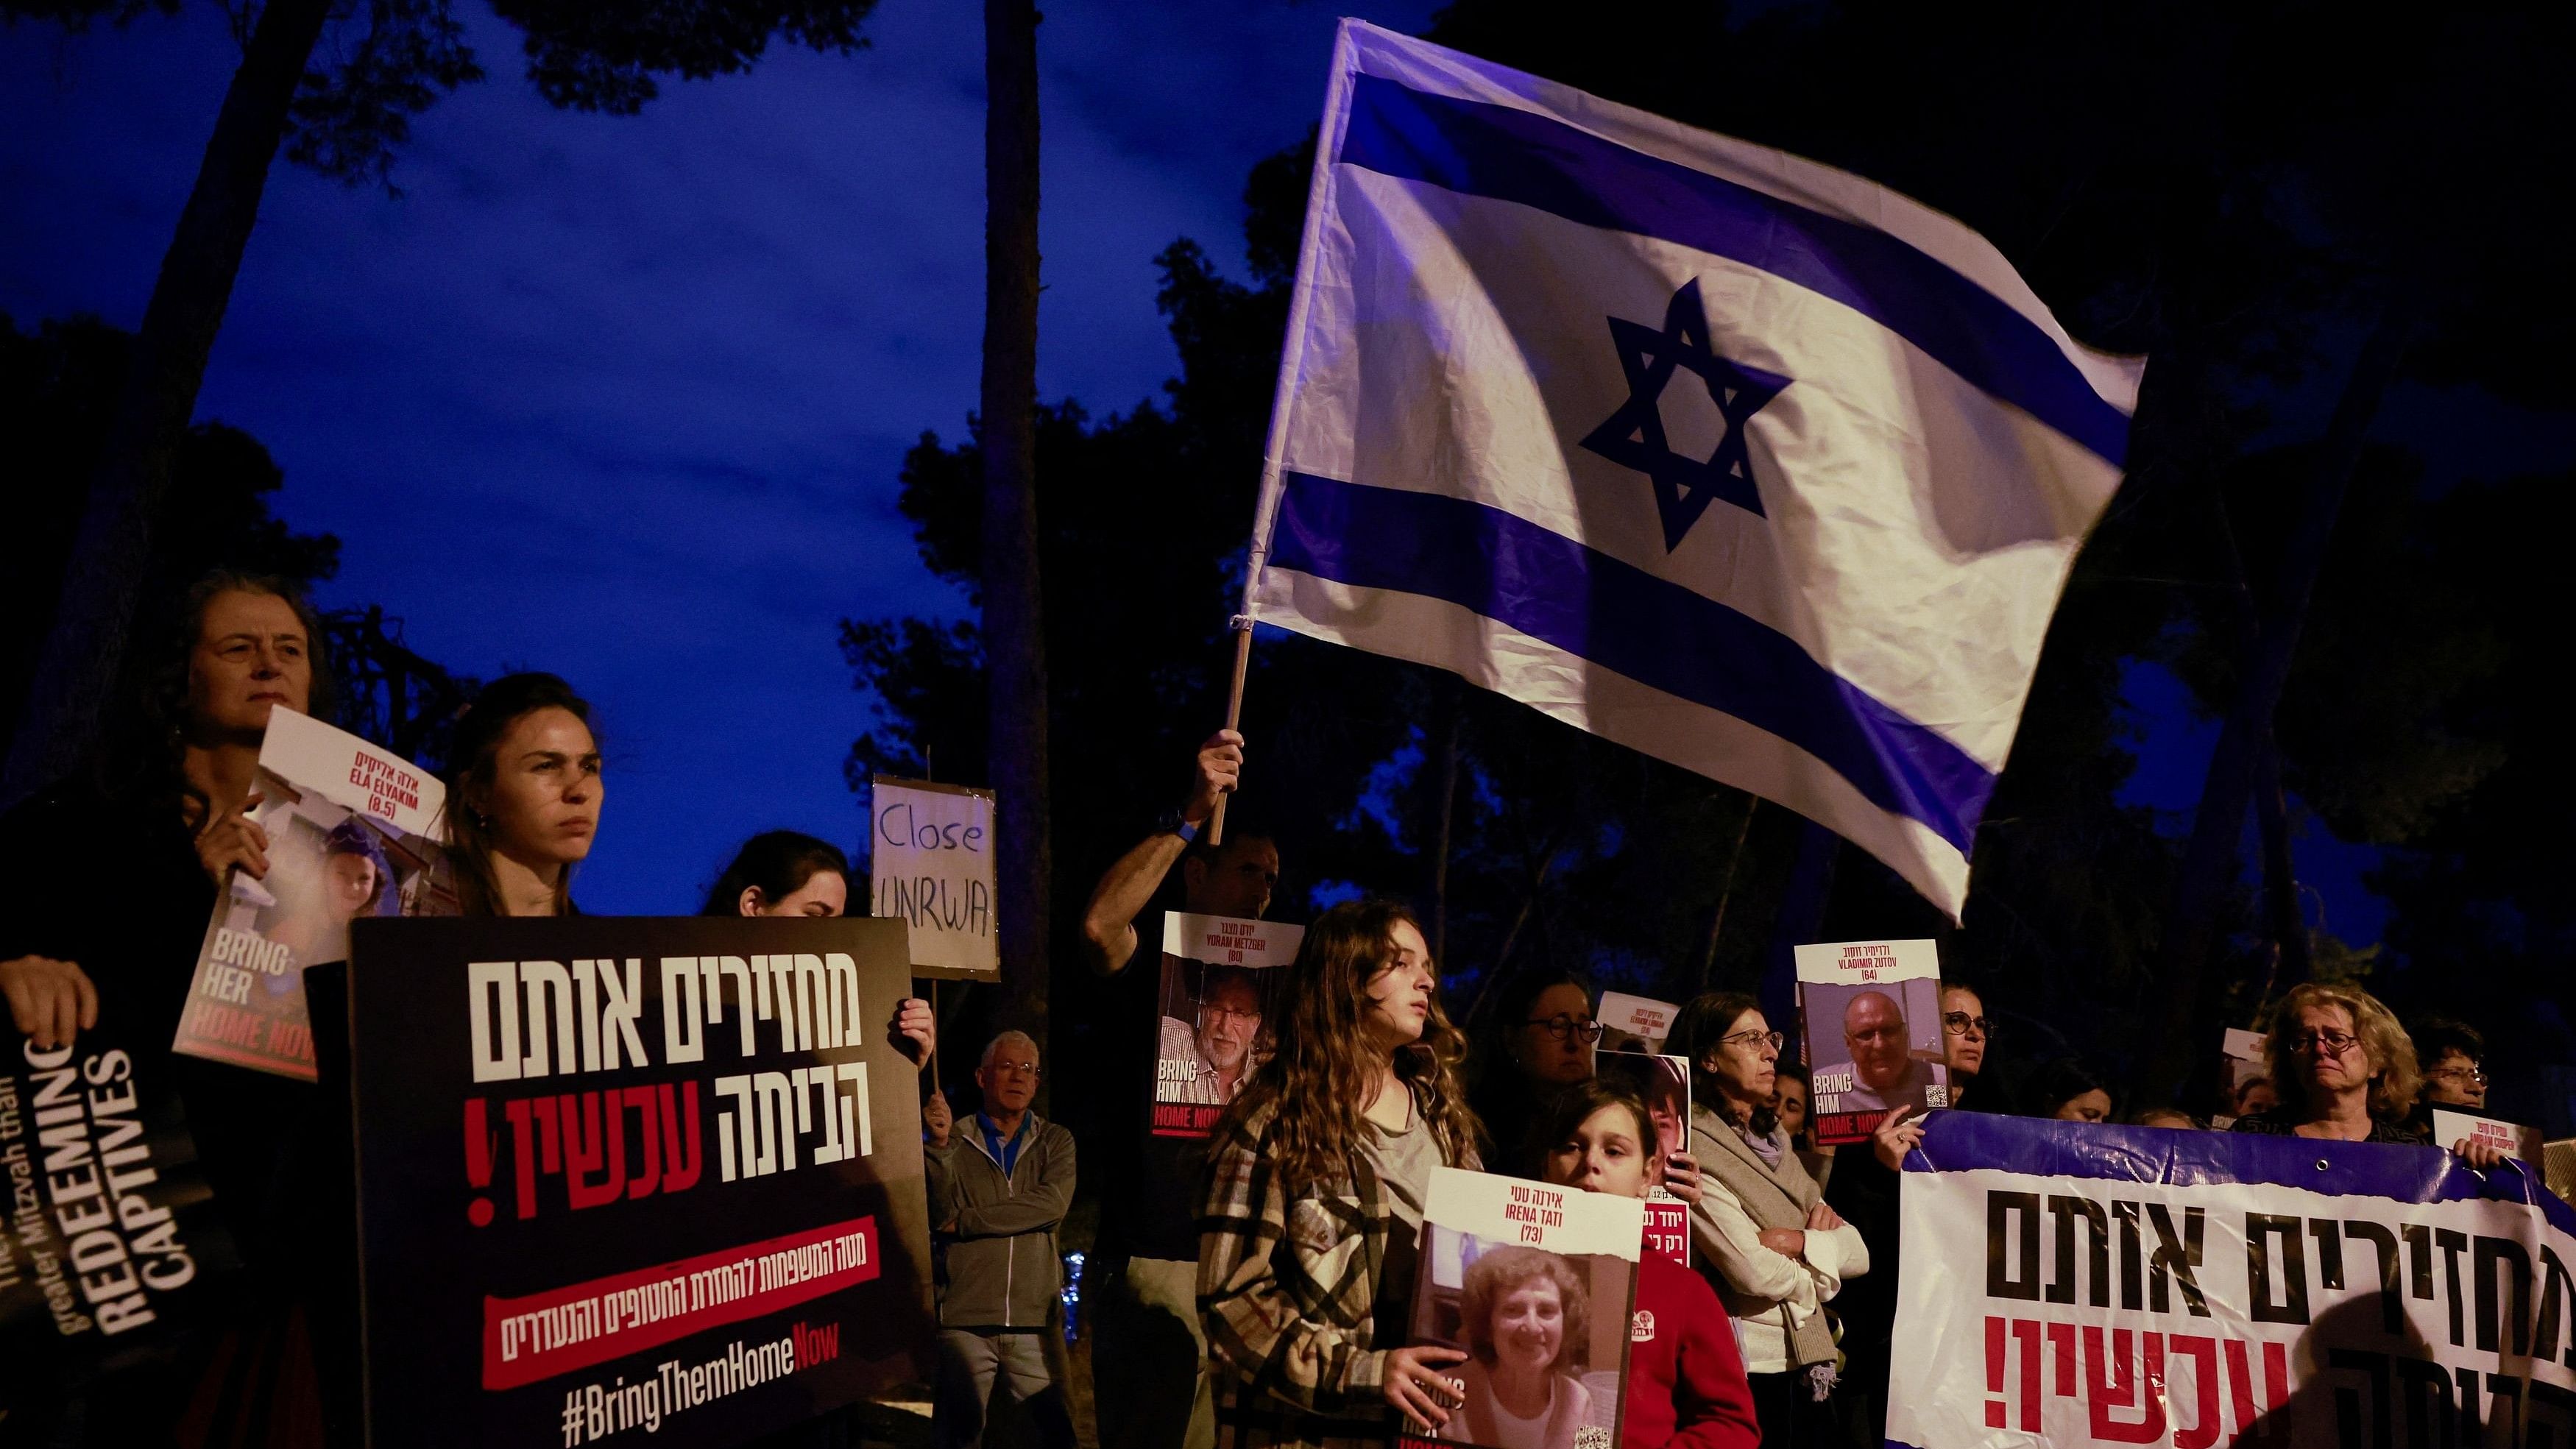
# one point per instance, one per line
(110, 1245)
(1869, 1020)
(930, 864)
(352, 831)
(1536, 1283)
(2072, 1285)
(622, 1178)
(1214, 1014)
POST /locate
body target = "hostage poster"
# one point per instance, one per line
(622, 1178)
(1869, 1023)
(1213, 1008)
(2070, 1284)
(353, 831)
(1535, 1283)
(111, 1247)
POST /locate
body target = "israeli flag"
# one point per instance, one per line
(1727, 456)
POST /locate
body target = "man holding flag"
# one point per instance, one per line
(1732, 458)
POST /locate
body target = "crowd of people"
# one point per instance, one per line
(1256, 1286)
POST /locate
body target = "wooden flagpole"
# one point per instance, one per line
(1233, 714)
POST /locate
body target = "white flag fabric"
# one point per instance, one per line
(1729, 457)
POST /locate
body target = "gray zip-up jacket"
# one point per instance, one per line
(999, 1267)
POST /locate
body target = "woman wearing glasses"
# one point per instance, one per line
(2345, 1071)
(1547, 1036)
(1761, 1231)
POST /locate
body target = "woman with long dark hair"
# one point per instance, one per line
(790, 873)
(523, 796)
(107, 880)
(1766, 1241)
(1312, 1216)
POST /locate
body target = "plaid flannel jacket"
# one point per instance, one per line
(1288, 1291)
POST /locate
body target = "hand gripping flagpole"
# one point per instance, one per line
(1265, 513)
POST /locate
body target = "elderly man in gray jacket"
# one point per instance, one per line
(999, 1184)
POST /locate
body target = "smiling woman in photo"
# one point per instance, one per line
(523, 796)
(1527, 1319)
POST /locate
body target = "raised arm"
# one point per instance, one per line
(1109, 919)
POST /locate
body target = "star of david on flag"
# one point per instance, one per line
(1635, 437)
(1488, 456)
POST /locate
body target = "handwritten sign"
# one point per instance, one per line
(930, 864)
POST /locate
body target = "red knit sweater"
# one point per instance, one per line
(1686, 1387)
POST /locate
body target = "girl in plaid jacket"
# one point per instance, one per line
(1309, 1223)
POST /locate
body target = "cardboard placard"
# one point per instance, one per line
(2510, 1138)
(1221, 990)
(353, 831)
(633, 1177)
(1537, 1284)
(1642, 1017)
(930, 864)
(1869, 1018)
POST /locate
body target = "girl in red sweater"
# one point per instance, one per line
(1686, 1386)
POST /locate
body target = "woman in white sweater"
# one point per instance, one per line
(1764, 1237)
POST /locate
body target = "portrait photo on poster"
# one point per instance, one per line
(1535, 1284)
(1869, 1017)
(1215, 1009)
(1663, 1084)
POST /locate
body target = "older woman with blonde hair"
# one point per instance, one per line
(2345, 1071)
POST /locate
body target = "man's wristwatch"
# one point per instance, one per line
(1172, 822)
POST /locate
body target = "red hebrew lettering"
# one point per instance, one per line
(2240, 1386)
(648, 1176)
(588, 1148)
(478, 1160)
(2206, 1423)
(2027, 1330)
(2061, 1343)
(682, 1158)
(2124, 1391)
(523, 1157)
(1994, 1371)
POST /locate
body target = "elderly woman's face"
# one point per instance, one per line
(2329, 1050)
(1529, 1327)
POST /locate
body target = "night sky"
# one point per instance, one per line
(625, 398)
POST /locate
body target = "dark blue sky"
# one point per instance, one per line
(625, 398)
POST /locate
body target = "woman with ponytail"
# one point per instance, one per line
(1312, 1215)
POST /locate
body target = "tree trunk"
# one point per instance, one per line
(1802, 915)
(1013, 624)
(112, 552)
(2282, 915)
(2217, 828)
(1449, 714)
(1726, 892)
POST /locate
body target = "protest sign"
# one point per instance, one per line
(1536, 1283)
(1218, 998)
(2510, 1138)
(111, 1247)
(930, 865)
(1641, 1017)
(2070, 1284)
(353, 831)
(631, 1177)
(1869, 1026)
(1663, 1084)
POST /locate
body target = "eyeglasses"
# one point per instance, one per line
(2329, 1043)
(1025, 1069)
(1753, 1040)
(2472, 1075)
(1956, 1023)
(1213, 1014)
(1561, 1026)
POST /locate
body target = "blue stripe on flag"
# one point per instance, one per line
(1619, 616)
(1514, 155)
(1970, 1141)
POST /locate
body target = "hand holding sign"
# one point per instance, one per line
(49, 1000)
(232, 839)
